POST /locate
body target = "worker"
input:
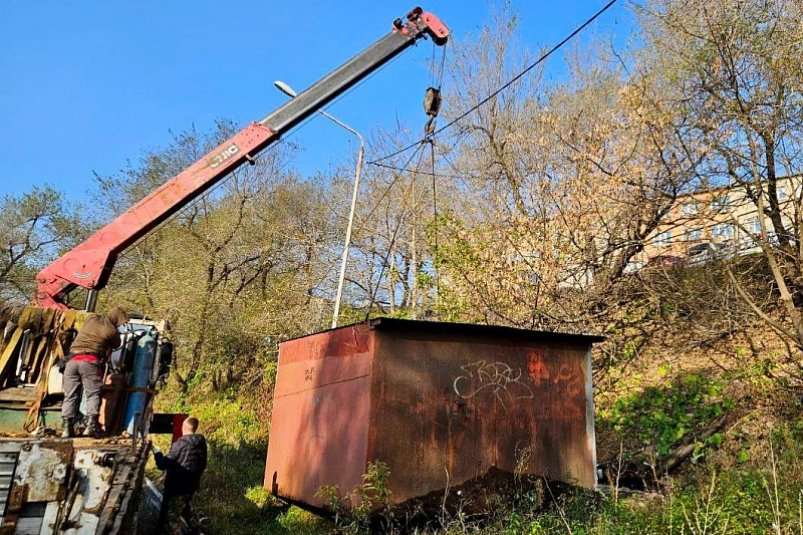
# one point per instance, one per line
(185, 463)
(85, 366)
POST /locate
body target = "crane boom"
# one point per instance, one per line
(90, 263)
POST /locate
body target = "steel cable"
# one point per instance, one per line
(513, 80)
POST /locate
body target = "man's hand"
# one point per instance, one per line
(156, 450)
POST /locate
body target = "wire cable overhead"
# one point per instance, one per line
(513, 80)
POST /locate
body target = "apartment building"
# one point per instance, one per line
(718, 221)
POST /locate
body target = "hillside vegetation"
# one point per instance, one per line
(539, 203)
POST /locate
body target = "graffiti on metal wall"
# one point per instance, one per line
(561, 380)
(309, 373)
(491, 378)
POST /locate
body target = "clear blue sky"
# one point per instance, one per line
(86, 86)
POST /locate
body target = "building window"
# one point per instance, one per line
(753, 226)
(781, 193)
(720, 203)
(664, 238)
(723, 231)
(694, 235)
(689, 208)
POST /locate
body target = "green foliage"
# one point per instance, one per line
(734, 502)
(373, 492)
(662, 417)
(232, 492)
(355, 512)
(35, 227)
(233, 496)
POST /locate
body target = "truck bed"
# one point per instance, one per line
(76, 486)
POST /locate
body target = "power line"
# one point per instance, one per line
(506, 85)
(408, 170)
(393, 183)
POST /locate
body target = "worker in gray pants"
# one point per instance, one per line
(85, 366)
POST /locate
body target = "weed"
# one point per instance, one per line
(356, 511)
(663, 417)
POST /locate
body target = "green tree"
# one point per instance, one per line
(238, 269)
(34, 228)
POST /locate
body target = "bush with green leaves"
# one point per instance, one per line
(663, 417)
(358, 510)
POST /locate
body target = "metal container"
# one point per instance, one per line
(439, 403)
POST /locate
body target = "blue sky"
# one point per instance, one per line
(87, 86)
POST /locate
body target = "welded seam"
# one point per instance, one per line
(321, 386)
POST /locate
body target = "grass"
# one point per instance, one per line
(231, 490)
(737, 503)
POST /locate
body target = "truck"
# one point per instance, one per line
(92, 486)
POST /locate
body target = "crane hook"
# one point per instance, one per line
(432, 101)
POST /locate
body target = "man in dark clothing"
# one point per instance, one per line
(84, 370)
(185, 463)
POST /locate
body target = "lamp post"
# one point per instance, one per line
(287, 90)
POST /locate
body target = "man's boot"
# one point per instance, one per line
(69, 429)
(93, 428)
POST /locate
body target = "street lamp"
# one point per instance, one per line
(287, 90)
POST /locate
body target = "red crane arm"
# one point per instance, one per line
(89, 264)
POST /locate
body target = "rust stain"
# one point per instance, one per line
(19, 495)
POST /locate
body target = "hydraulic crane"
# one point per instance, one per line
(100, 481)
(90, 263)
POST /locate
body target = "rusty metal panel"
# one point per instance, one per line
(82, 483)
(321, 409)
(42, 469)
(449, 408)
(439, 403)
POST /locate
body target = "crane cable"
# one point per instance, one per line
(399, 222)
(435, 222)
(504, 86)
(432, 104)
(429, 136)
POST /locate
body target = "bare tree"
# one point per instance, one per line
(736, 67)
(562, 184)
